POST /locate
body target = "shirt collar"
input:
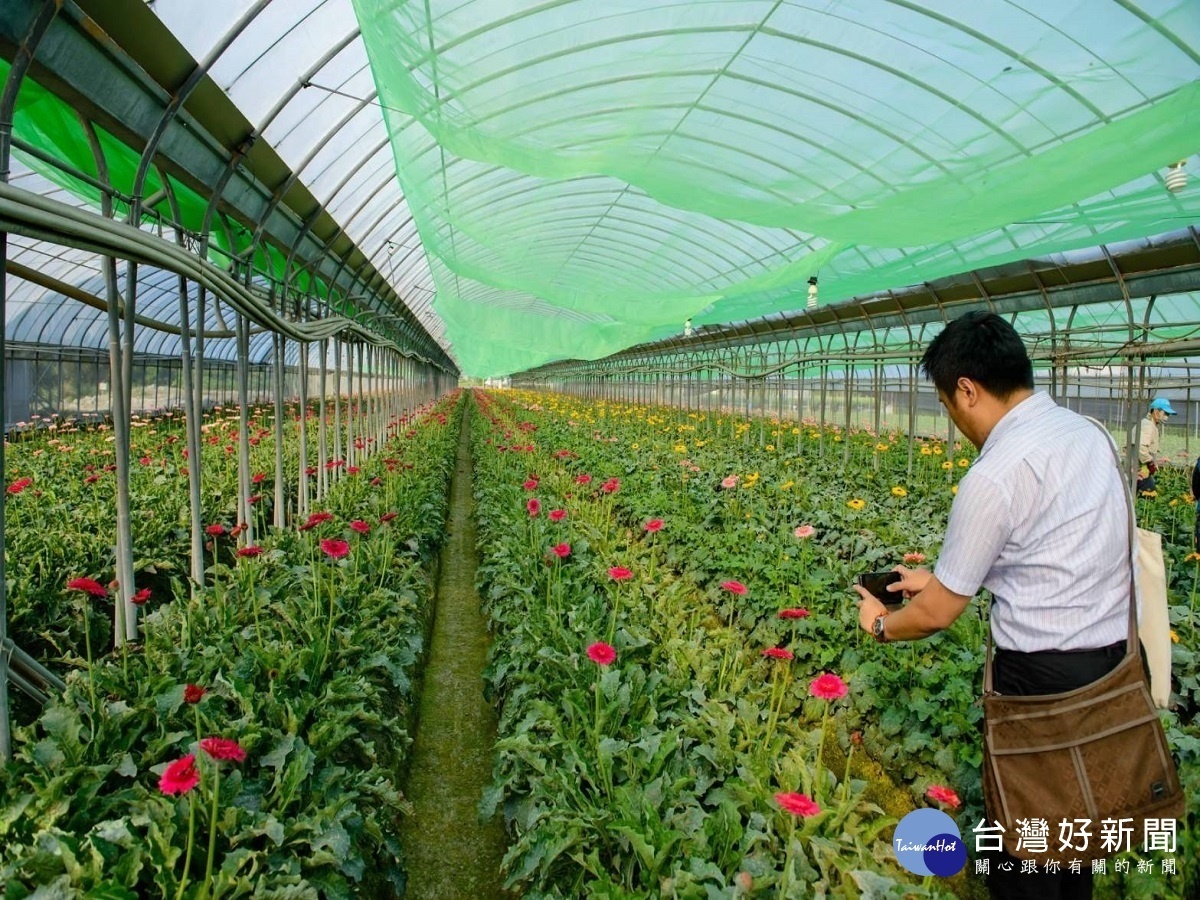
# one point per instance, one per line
(1024, 412)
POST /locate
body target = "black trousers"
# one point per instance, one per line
(1045, 672)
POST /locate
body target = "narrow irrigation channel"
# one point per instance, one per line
(450, 853)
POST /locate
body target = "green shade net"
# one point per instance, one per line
(50, 125)
(588, 175)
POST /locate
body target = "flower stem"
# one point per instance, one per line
(785, 880)
(212, 830)
(817, 780)
(87, 640)
(187, 857)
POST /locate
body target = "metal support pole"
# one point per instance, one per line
(337, 400)
(245, 512)
(279, 346)
(322, 435)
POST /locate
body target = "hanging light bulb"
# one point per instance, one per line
(812, 291)
(1176, 179)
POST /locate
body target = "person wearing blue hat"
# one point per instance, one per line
(1150, 443)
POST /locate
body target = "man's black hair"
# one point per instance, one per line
(981, 346)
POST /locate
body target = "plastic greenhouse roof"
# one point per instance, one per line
(556, 180)
(311, 182)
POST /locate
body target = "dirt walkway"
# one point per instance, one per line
(449, 853)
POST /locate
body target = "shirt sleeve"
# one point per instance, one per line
(980, 525)
(1144, 440)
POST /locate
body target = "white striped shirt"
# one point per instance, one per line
(1041, 521)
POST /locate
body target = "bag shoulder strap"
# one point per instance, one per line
(1132, 648)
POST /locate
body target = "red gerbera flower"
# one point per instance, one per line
(798, 613)
(610, 486)
(193, 693)
(140, 598)
(215, 530)
(797, 804)
(335, 548)
(531, 484)
(944, 795)
(734, 587)
(258, 477)
(778, 653)
(583, 479)
(654, 525)
(360, 526)
(87, 585)
(19, 485)
(223, 748)
(619, 573)
(557, 515)
(828, 687)
(562, 551)
(249, 551)
(180, 776)
(601, 654)
(534, 506)
(387, 517)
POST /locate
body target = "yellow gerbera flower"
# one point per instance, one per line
(947, 465)
(1174, 637)
(881, 447)
(898, 491)
(954, 489)
(963, 463)
(856, 504)
(925, 451)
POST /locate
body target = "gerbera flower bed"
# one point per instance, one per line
(267, 717)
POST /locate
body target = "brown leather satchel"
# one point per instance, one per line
(1095, 753)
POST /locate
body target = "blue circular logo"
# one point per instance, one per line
(927, 842)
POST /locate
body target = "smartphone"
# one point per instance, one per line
(877, 583)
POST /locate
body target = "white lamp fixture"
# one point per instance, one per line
(812, 291)
(1176, 179)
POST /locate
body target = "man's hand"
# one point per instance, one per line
(913, 582)
(869, 610)
(933, 607)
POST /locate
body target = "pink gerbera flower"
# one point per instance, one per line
(180, 776)
(335, 548)
(88, 586)
(943, 795)
(601, 654)
(798, 612)
(797, 804)
(223, 748)
(828, 687)
(734, 587)
(778, 653)
(619, 573)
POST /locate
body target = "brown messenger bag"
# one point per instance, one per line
(1097, 753)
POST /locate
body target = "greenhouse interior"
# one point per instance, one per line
(449, 445)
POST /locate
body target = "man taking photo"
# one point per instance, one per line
(1041, 522)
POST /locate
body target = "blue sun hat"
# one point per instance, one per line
(1163, 404)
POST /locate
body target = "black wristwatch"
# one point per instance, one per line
(877, 629)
